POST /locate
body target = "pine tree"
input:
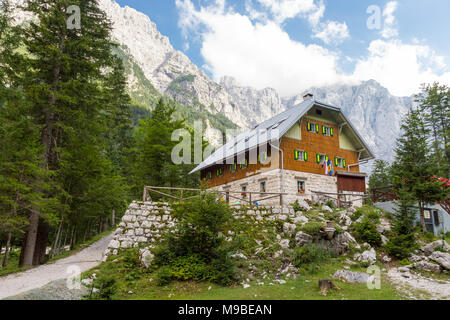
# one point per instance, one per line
(435, 106)
(414, 166)
(65, 77)
(403, 242)
(380, 176)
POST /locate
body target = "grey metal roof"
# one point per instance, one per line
(269, 130)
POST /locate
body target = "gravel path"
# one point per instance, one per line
(47, 275)
(405, 281)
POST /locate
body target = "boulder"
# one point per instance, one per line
(302, 238)
(431, 247)
(427, 266)
(303, 205)
(384, 240)
(146, 257)
(351, 276)
(284, 244)
(339, 244)
(327, 208)
(114, 244)
(368, 256)
(239, 256)
(441, 258)
(288, 228)
(300, 219)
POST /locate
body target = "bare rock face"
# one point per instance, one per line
(351, 276)
(302, 239)
(439, 244)
(441, 258)
(427, 266)
(368, 256)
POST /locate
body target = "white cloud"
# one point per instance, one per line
(256, 50)
(389, 30)
(258, 54)
(332, 32)
(401, 67)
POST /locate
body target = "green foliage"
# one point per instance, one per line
(366, 231)
(308, 258)
(195, 250)
(106, 285)
(381, 175)
(403, 241)
(312, 228)
(358, 213)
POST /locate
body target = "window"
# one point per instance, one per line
(244, 192)
(262, 186)
(244, 164)
(262, 157)
(321, 158)
(300, 155)
(436, 217)
(233, 167)
(340, 162)
(427, 214)
(209, 175)
(327, 131)
(312, 127)
(219, 172)
(301, 187)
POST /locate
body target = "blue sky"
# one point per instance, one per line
(294, 44)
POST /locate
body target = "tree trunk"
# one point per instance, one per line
(422, 218)
(8, 244)
(105, 224)
(73, 239)
(113, 218)
(57, 238)
(30, 242)
(41, 243)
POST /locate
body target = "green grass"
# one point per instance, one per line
(143, 286)
(12, 265)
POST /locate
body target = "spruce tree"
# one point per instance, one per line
(64, 83)
(380, 176)
(414, 166)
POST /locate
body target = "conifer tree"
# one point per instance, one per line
(414, 167)
(380, 176)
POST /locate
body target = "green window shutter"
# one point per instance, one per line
(331, 132)
(327, 158)
(318, 158)
(305, 154)
(317, 128)
(344, 163)
(336, 161)
(296, 154)
(308, 126)
(323, 130)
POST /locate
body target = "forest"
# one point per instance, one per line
(75, 150)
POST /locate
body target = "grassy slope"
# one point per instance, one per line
(130, 277)
(304, 287)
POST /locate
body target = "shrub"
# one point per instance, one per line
(358, 213)
(312, 228)
(163, 276)
(194, 250)
(106, 285)
(330, 203)
(308, 258)
(401, 245)
(366, 231)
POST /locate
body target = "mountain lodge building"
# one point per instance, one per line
(311, 150)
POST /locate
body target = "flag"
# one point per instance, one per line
(329, 168)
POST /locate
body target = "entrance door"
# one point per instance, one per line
(428, 220)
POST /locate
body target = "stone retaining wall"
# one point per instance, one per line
(144, 223)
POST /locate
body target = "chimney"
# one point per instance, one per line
(308, 96)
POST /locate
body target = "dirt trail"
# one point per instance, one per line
(408, 282)
(86, 259)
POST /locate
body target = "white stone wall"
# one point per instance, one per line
(314, 182)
